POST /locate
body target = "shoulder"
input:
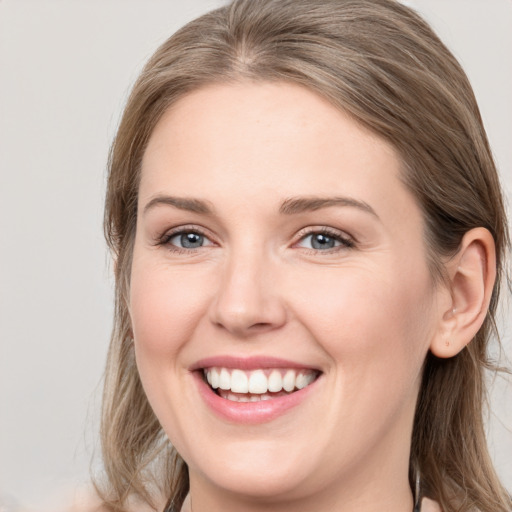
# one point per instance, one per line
(87, 502)
(94, 504)
(429, 506)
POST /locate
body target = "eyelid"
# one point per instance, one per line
(206, 241)
(346, 241)
(168, 234)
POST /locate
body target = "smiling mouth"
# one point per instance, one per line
(256, 385)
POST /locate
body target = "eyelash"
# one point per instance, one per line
(345, 242)
(165, 239)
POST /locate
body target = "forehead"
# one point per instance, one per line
(269, 140)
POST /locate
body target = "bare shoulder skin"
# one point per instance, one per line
(429, 506)
(89, 501)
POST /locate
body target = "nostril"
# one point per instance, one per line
(260, 326)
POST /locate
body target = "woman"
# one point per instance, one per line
(309, 236)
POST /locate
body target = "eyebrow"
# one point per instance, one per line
(182, 203)
(290, 206)
(295, 205)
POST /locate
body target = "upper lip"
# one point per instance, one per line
(248, 363)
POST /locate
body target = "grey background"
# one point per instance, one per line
(65, 70)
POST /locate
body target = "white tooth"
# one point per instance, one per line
(239, 382)
(265, 397)
(301, 381)
(255, 398)
(214, 378)
(275, 381)
(289, 380)
(310, 377)
(258, 382)
(209, 376)
(224, 379)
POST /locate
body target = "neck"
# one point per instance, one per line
(377, 480)
(372, 496)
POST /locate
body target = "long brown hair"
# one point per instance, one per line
(380, 62)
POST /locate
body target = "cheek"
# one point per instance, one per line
(165, 304)
(376, 334)
(369, 320)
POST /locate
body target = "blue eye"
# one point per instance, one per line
(187, 240)
(323, 241)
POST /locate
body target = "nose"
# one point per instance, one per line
(248, 300)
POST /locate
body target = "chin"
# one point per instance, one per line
(259, 483)
(258, 473)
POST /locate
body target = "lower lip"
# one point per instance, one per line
(251, 412)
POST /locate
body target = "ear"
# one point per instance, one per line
(471, 275)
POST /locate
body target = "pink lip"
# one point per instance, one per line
(248, 363)
(250, 412)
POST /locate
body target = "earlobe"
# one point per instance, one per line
(471, 272)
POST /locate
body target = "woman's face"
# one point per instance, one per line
(276, 246)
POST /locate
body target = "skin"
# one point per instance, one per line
(364, 313)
